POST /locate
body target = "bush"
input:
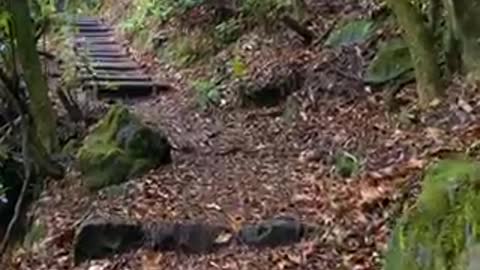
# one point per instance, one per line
(208, 93)
(158, 11)
(185, 50)
(263, 11)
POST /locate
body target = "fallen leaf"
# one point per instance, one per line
(213, 206)
(465, 106)
(223, 238)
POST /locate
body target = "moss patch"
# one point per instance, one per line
(120, 147)
(442, 229)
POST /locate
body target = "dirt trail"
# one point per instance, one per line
(237, 166)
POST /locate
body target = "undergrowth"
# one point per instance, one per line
(207, 93)
(145, 17)
(187, 43)
(183, 50)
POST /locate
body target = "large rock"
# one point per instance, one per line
(271, 86)
(442, 230)
(120, 147)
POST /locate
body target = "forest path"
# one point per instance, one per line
(237, 166)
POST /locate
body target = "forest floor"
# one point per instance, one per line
(237, 165)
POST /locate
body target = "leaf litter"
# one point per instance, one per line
(279, 166)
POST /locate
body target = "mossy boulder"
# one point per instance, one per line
(119, 147)
(442, 230)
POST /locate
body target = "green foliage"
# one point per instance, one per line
(82, 6)
(442, 230)
(145, 10)
(228, 31)
(184, 5)
(155, 10)
(352, 32)
(346, 164)
(185, 50)
(239, 67)
(4, 19)
(392, 60)
(208, 93)
(265, 10)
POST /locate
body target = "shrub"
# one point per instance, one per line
(263, 11)
(208, 93)
(185, 50)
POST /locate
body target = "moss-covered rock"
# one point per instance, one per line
(120, 147)
(442, 230)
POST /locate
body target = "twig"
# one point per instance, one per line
(26, 181)
(346, 75)
(325, 35)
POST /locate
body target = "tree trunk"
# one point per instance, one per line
(421, 44)
(467, 20)
(40, 106)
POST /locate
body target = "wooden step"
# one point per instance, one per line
(111, 66)
(110, 59)
(94, 34)
(97, 42)
(94, 39)
(99, 47)
(94, 29)
(107, 54)
(88, 24)
(133, 72)
(120, 88)
(118, 77)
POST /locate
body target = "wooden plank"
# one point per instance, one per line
(88, 24)
(96, 42)
(94, 34)
(111, 66)
(110, 59)
(94, 29)
(117, 77)
(93, 47)
(95, 39)
(109, 89)
(106, 54)
(84, 72)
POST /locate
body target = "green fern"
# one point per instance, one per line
(208, 93)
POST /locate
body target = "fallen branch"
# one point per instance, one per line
(325, 35)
